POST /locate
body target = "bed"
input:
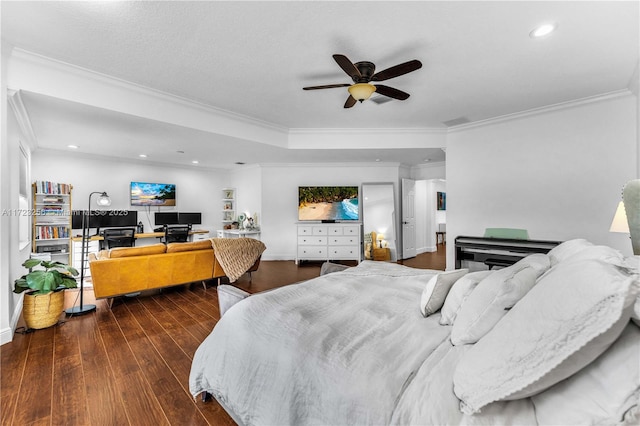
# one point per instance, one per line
(553, 339)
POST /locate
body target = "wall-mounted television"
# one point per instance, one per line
(328, 203)
(153, 194)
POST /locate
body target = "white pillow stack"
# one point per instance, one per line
(548, 335)
(494, 296)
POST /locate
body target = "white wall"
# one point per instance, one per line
(247, 182)
(197, 190)
(280, 197)
(558, 174)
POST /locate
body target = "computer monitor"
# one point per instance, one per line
(189, 218)
(118, 218)
(166, 218)
(95, 220)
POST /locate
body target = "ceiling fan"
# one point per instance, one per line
(362, 73)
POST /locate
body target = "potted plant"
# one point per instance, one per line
(44, 301)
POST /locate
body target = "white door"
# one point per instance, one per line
(408, 218)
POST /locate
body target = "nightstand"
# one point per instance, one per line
(382, 254)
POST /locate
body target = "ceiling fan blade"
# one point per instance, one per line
(391, 92)
(397, 70)
(327, 86)
(347, 66)
(351, 101)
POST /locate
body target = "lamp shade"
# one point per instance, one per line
(619, 223)
(361, 91)
(104, 200)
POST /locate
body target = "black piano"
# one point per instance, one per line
(498, 251)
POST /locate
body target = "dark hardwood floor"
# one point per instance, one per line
(128, 365)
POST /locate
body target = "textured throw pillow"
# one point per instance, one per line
(566, 249)
(566, 321)
(601, 393)
(436, 290)
(494, 296)
(458, 294)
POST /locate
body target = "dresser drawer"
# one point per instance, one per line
(344, 252)
(312, 252)
(319, 230)
(343, 241)
(312, 241)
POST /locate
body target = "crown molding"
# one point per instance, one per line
(369, 131)
(110, 81)
(543, 110)
(22, 117)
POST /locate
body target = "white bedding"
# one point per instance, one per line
(353, 348)
(273, 354)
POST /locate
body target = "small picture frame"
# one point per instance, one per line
(441, 200)
(228, 194)
(228, 206)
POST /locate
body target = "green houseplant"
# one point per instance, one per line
(44, 297)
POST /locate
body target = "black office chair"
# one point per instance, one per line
(118, 237)
(176, 233)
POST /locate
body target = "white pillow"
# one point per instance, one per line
(604, 253)
(569, 318)
(567, 249)
(437, 289)
(458, 294)
(494, 296)
(601, 392)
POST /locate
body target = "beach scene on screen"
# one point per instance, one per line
(328, 203)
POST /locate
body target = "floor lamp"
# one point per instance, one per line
(103, 201)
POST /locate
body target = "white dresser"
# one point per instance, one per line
(93, 246)
(332, 241)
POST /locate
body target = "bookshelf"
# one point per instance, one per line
(51, 228)
(228, 206)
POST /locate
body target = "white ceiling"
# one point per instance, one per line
(253, 58)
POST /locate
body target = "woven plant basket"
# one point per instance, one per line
(42, 310)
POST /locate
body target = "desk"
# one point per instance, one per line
(143, 235)
(238, 233)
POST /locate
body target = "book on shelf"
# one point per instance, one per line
(47, 187)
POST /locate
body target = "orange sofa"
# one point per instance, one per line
(127, 270)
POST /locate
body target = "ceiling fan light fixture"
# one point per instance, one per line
(361, 91)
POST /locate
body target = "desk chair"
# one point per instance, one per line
(176, 233)
(119, 237)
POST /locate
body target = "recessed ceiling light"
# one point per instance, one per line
(377, 159)
(542, 30)
(180, 152)
(142, 155)
(426, 160)
(195, 161)
(72, 146)
(240, 163)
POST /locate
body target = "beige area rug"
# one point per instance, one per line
(236, 255)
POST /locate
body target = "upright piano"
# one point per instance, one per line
(497, 251)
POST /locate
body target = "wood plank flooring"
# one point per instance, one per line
(128, 365)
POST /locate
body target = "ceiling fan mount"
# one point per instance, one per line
(367, 69)
(363, 73)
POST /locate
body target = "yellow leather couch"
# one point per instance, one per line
(127, 270)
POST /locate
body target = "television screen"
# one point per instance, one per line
(166, 218)
(189, 218)
(339, 203)
(153, 194)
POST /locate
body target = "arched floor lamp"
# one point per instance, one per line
(103, 201)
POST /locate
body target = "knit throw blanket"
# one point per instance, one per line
(236, 255)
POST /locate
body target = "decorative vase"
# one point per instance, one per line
(631, 199)
(42, 310)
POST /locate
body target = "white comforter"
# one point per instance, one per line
(348, 348)
(320, 352)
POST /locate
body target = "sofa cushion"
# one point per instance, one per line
(196, 245)
(137, 251)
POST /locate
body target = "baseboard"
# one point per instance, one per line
(6, 334)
